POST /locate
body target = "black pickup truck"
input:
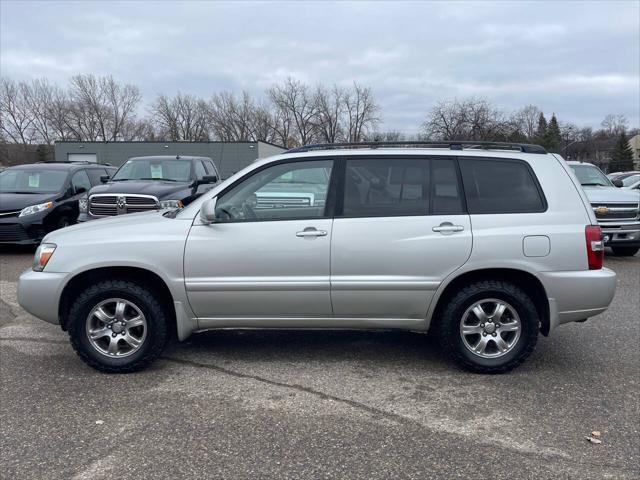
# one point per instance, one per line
(150, 183)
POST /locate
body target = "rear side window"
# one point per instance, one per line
(500, 186)
(396, 186)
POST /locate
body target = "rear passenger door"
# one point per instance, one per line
(400, 228)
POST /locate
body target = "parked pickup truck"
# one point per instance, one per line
(617, 209)
(150, 183)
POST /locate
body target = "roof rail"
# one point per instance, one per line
(451, 145)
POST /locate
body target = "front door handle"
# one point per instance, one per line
(447, 228)
(311, 232)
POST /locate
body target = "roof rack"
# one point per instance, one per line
(451, 145)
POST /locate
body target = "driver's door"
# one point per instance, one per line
(265, 258)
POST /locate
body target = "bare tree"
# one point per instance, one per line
(100, 107)
(233, 119)
(181, 118)
(614, 125)
(362, 111)
(525, 121)
(295, 104)
(16, 118)
(468, 119)
(330, 108)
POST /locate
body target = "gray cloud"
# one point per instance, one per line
(579, 60)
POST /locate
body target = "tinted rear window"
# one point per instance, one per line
(396, 186)
(500, 186)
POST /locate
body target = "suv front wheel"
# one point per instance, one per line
(118, 326)
(489, 327)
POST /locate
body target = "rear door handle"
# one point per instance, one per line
(311, 232)
(447, 228)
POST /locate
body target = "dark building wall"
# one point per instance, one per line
(229, 157)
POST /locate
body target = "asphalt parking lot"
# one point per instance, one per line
(321, 404)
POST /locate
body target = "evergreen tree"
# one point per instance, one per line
(622, 156)
(553, 138)
(541, 131)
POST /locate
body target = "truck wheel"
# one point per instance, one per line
(118, 326)
(489, 326)
(625, 251)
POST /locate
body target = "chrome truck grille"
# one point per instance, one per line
(105, 205)
(611, 212)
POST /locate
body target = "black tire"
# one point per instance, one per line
(63, 222)
(625, 251)
(448, 326)
(158, 331)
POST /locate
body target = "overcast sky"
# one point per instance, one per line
(580, 60)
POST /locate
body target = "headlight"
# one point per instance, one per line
(83, 203)
(43, 254)
(35, 209)
(171, 204)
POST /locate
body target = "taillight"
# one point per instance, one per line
(595, 246)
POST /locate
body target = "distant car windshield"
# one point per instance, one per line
(150, 169)
(590, 175)
(630, 180)
(23, 180)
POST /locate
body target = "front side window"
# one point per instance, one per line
(154, 169)
(500, 186)
(200, 171)
(80, 181)
(288, 191)
(32, 180)
(397, 186)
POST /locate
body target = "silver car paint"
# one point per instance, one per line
(233, 276)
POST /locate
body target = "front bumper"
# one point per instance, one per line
(621, 235)
(578, 295)
(29, 230)
(39, 294)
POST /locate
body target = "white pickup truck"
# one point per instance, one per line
(617, 209)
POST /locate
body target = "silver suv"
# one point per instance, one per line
(485, 245)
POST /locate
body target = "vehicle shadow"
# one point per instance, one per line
(332, 346)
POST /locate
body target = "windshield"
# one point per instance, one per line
(590, 175)
(630, 180)
(154, 169)
(32, 180)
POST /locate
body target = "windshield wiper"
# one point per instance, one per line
(120, 179)
(594, 185)
(161, 179)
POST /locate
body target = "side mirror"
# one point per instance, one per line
(208, 211)
(104, 178)
(617, 183)
(207, 179)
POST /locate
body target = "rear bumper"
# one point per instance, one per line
(578, 295)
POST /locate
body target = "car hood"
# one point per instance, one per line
(157, 188)
(611, 194)
(110, 229)
(10, 202)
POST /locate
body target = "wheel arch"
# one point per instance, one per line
(523, 279)
(145, 277)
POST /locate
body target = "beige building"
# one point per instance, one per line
(634, 143)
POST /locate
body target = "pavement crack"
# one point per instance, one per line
(301, 388)
(33, 340)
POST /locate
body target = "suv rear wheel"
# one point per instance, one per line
(489, 327)
(118, 326)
